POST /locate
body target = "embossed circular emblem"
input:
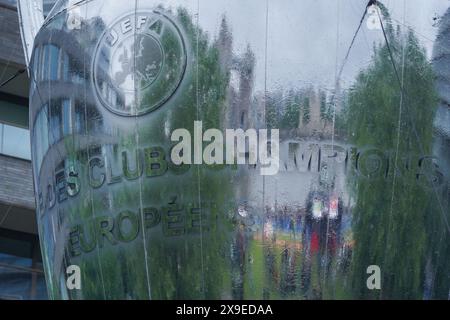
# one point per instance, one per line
(139, 63)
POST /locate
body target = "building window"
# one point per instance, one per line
(67, 116)
(15, 142)
(65, 67)
(55, 123)
(53, 62)
(36, 60)
(80, 122)
(41, 135)
(21, 274)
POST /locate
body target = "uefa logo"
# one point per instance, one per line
(139, 63)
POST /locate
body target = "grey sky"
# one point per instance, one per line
(303, 34)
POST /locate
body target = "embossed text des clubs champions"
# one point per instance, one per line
(115, 165)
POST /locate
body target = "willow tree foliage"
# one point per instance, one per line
(396, 204)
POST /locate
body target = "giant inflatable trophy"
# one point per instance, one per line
(136, 108)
